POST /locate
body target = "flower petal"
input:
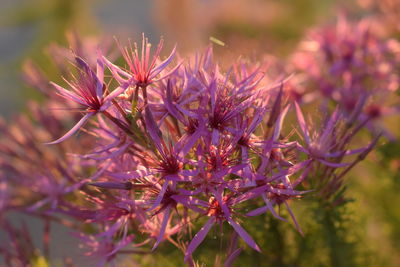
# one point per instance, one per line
(162, 228)
(118, 91)
(163, 64)
(67, 94)
(302, 123)
(73, 130)
(199, 237)
(244, 235)
(278, 123)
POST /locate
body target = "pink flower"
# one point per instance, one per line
(88, 90)
(142, 68)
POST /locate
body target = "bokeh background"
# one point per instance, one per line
(28, 28)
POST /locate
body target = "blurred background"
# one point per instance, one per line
(29, 28)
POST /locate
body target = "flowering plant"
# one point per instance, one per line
(168, 150)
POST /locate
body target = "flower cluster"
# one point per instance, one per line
(350, 65)
(169, 146)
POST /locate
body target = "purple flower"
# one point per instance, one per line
(88, 90)
(350, 65)
(142, 68)
(219, 208)
(320, 147)
(198, 141)
(104, 250)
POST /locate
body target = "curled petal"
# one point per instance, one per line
(73, 130)
(163, 64)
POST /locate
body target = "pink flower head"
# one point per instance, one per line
(143, 68)
(88, 90)
(320, 146)
(220, 208)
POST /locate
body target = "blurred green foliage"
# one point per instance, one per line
(50, 20)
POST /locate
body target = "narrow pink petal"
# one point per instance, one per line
(302, 177)
(73, 130)
(163, 64)
(258, 118)
(329, 126)
(298, 167)
(169, 73)
(229, 261)
(117, 71)
(215, 137)
(99, 89)
(163, 227)
(345, 153)
(256, 192)
(234, 169)
(160, 196)
(118, 91)
(176, 178)
(101, 171)
(100, 66)
(113, 154)
(123, 243)
(153, 130)
(199, 237)
(76, 186)
(190, 172)
(334, 165)
(189, 200)
(294, 218)
(186, 112)
(188, 142)
(38, 204)
(279, 122)
(131, 174)
(302, 123)
(69, 95)
(289, 192)
(244, 235)
(218, 196)
(271, 208)
(257, 211)
(86, 68)
(213, 89)
(170, 105)
(113, 229)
